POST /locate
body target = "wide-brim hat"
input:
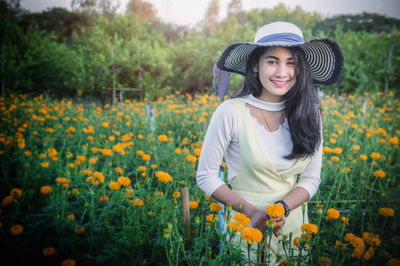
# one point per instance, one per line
(323, 56)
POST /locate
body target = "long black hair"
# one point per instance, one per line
(301, 103)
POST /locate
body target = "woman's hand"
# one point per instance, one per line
(280, 223)
(258, 219)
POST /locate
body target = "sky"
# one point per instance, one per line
(190, 12)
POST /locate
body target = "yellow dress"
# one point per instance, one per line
(260, 184)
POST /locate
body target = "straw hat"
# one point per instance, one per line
(324, 56)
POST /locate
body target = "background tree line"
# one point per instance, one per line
(68, 53)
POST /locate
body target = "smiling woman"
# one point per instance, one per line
(271, 131)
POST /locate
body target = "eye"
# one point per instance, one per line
(271, 62)
(291, 63)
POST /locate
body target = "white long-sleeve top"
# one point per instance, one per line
(222, 141)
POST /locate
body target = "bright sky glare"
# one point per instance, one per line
(190, 12)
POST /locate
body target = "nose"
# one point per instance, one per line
(281, 70)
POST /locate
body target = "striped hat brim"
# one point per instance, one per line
(324, 58)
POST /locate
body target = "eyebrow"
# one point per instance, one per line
(276, 58)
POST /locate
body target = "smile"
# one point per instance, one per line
(279, 83)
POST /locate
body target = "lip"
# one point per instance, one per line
(279, 83)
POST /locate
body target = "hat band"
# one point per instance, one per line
(281, 37)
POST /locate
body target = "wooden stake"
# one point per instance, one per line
(186, 214)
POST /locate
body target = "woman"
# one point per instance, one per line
(271, 132)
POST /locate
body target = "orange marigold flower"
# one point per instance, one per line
(16, 229)
(372, 239)
(46, 190)
(325, 260)
(235, 226)
(345, 220)
(62, 180)
(71, 217)
(379, 173)
(124, 181)
(79, 229)
(106, 152)
(138, 202)
(394, 140)
(114, 185)
(163, 138)
(44, 164)
(146, 157)
(272, 223)
(375, 155)
(193, 205)
(387, 212)
(68, 262)
(332, 214)
(163, 177)
(176, 194)
(356, 147)
(142, 168)
(119, 170)
(7, 200)
(191, 158)
(104, 198)
(363, 157)
(242, 219)
(197, 152)
(210, 218)
(178, 151)
(393, 262)
(251, 235)
(16, 193)
(275, 210)
(49, 251)
(296, 241)
(309, 228)
(105, 124)
(140, 136)
(214, 207)
(96, 178)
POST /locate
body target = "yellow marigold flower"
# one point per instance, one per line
(125, 138)
(106, 152)
(394, 140)
(7, 200)
(185, 151)
(105, 124)
(387, 212)
(235, 226)
(104, 198)
(356, 147)
(44, 164)
(325, 260)
(193, 205)
(178, 151)
(375, 155)
(242, 219)
(163, 177)
(332, 140)
(176, 194)
(393, 262)
(138, 202)
(49, 251)
(146, 157)
(191, 158)
(197, 152)
(275, 210)
(335, 158)
(372, 239)
(210, 218)
(119, 170)
(111, 138)
(62, 180)
(142, 168)
(363, 157)
(16, 193)
(185, 141)
(79, 229)
(96, 178)
(214, 207)
(140, 136)
(309, 228)
(163, 138)
(337, 150)
(16, 230)
(271, 222)
(46, 190)
(345, 220)
(52, 152)
(251, 235)
(332, 214)
(124, 181)
(114, 185)
(296, 241)
(379, 173)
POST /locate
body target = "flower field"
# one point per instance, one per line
(83, 184)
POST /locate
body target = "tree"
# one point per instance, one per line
(234, 7)
(210, 21)
(143, 10)
(105, 7)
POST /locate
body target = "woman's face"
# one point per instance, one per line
(276, 71)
